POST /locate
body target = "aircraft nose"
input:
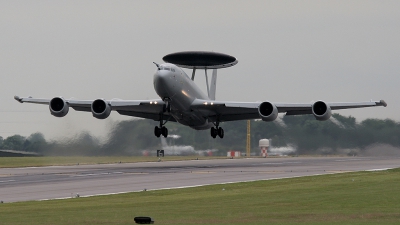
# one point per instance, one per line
(159, 78)
(161, 83)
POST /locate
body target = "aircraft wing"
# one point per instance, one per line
(230, 111)
(148, 109)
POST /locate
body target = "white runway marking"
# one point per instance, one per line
(5, 181)
(383, 169)
(347, 160)
(96, 174)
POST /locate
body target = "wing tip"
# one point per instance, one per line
(18, 98)
(383, 103)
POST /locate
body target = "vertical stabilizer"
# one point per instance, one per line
(213, 87)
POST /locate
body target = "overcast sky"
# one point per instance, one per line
(288, 51)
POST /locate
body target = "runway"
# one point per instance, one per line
(57, 182)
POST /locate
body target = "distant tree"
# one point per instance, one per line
(303, 131)
(15, 142)
(35, 142)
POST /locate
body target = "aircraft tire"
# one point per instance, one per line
(214, 132)
(164, 131)
(221, 132)
(157, 131)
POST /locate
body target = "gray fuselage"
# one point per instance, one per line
(172, 84)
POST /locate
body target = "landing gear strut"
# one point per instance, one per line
(217, 131)
(161, 130)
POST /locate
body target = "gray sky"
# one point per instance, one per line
(288, 51)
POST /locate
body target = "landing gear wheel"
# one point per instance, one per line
(214, 132)
(221, 132)
(164, 131)
(157, 131)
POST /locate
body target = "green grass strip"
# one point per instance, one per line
(347, 198)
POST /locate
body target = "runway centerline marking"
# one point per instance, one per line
(6, 181)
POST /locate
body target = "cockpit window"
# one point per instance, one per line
(167, 68)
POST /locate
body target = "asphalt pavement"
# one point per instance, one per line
(58, 182)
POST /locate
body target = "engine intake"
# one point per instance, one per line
(268, 111)
(58, 107)
(100, 109)
(321, 111)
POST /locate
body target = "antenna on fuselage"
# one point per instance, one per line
(208, 89)
(158, 65)
(202, 60)
(213, 86)
(193, 73)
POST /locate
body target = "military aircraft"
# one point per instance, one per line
(182, 101)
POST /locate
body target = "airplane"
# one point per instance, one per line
(182, 101)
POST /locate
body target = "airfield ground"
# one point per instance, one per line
(344, 198)
(13, 162)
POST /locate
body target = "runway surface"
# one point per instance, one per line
(39, 183)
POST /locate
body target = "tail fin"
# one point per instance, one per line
(213, 87)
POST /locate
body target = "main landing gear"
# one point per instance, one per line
(217, 131)
(161, 130)
(158, 131)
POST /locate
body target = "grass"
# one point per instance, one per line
(347, 198)
(7, 162)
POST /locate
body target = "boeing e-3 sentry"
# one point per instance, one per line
(182, 101)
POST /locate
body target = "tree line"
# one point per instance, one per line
(308, 136)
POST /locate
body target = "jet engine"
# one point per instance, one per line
(58, 107)
(321, 110)
(268, 111)
(100, 109)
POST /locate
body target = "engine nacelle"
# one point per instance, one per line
(321, 110)
(58, 107)
(100, 109)
(268, 111)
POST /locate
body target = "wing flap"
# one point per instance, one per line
(226, 111)
(146, 115)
